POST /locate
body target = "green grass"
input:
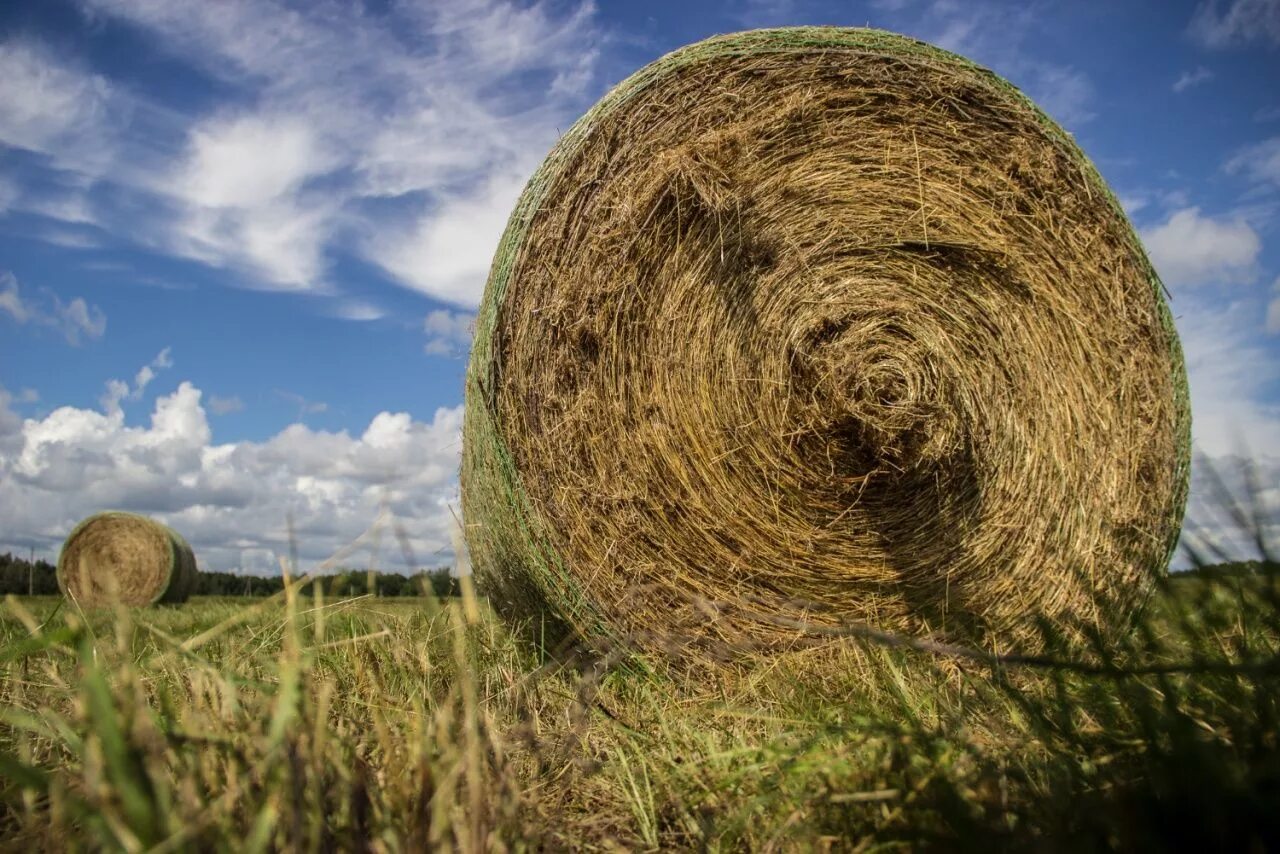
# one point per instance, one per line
(393, 725)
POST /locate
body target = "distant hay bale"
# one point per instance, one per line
(810, 326)
(128, 558)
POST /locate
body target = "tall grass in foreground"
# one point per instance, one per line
(367, 724)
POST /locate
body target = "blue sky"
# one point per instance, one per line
(241, 242)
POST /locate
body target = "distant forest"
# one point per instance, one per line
(20, 577)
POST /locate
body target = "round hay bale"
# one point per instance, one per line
(124, 557)
(804, 327)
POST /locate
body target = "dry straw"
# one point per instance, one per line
(123, 557)
(812, 326)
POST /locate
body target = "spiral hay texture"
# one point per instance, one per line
(121, 557)
(806, 327)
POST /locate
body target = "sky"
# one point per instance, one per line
(242, 242)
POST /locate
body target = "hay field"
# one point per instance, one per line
(367, 724)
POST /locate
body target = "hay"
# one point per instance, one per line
(810, 326)
(123, 557)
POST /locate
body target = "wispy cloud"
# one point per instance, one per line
(996, 34)
(1260, 163)
(305, 407)
(47, 106)
(400, 136)
(358, 309)
(75, 320)
(1192, 78)
(225, 405)
(118, 391)
(1236, 22)
(1273, 309)
(448, 332)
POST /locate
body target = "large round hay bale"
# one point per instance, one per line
(818, 326)
(122, 557)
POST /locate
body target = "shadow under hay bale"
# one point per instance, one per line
(122, 557)
(830, 325)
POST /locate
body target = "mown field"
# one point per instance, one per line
(399, 725)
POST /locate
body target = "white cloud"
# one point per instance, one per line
(1260, 162)
(1231, 373)
(246, 161)
(995, 35)
(767, 13)
(117, 391)
(230, 500)
(225, 405)
(11, 300)
(448, 252)
(148, 372)
(74, 320)
(9, 194)
(448, 332)
(1133, 202)
(10, 421)
(1192, 78)
(360, 121)
(1212, 528)
(1273, 309)
(1191, 249)
(1064, 93)
(68, 239)
(47, 106)
(305, 407)
(280, 243)
(67, 205)
(1241, 22)
(355, 309)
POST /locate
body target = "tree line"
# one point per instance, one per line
(21, 577)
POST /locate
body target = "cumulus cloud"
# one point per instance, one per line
(1236, 22)
(1189, 248)
(75, 320)
(232, 501)
(448, 332)
(1192, 78)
